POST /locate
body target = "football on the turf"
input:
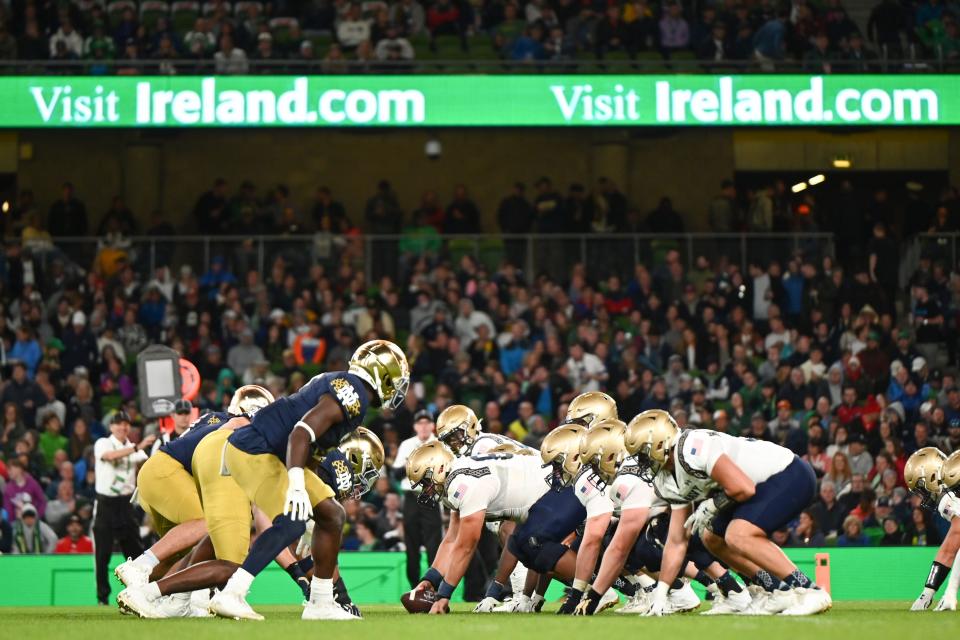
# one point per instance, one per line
(418, 601)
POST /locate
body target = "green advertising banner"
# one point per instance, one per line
(885, 573)
(465, 101)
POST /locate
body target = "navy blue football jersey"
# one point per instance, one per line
(272, 425)
(183, 447)
(336, 473)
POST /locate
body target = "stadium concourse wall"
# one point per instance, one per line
(379, 577)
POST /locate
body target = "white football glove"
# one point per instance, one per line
(486, 605)
(529, 604)
(947, 603)
(297, 503)
(658, 600)
(510, 605)
(924, 601)
(305, 546)
(701, 518)
(949, 506)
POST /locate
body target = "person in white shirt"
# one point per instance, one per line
(748, 488)
(117, 460)
(468, 319)
(497, 486)
(422, 524)
(353, 29)
(585, 370)
(70, 38)
(230, 59)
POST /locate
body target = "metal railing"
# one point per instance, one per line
(396, 255)
(585, 62)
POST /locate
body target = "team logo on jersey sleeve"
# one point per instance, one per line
(213, 420)
(348, 397)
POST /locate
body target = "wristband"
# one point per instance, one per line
(495, 591)
(580, 585)
(445, 591)
(303, 425)
(295, 476)
(723, 502)
(432, 576)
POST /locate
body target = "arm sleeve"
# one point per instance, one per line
(469, 495)
(701, 451)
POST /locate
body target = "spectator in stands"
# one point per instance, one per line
(768, 41)
(806, 533)
(22, 489)
(75, 540)
(71, 40)
(409, 16)
(394, 47)
(674, 30)
(230, 59)
(68, 215)
(353, 30)
(32, 536)
(62, 507)
(818, 59)
(443, 18)
(611, 34)
(853, 535)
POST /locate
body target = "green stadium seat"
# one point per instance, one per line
(210, 7)
(248, 8)
(281, 28)
(115, 10)
(151, 11)
(184, 15)
(491, 253)
(459, 247)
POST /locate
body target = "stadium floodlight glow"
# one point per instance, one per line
(800, 186)
(841, 162)
(817, 179)
(5, 207)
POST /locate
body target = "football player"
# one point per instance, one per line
(749, 488)
(268, 459)
(637, 541)
(497, 486)
(350, 470)
(949, 508)
(168, 493)
(922, 474)
(548, 533)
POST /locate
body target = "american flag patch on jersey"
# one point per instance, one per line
(460, 491)
(696, 445)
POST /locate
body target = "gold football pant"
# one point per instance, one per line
(225, 506)
(167, 493)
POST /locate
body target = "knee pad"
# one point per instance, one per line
(289, 528)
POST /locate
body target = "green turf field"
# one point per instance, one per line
(846, 621)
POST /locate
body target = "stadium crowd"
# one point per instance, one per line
(341, 35)
(832, 358)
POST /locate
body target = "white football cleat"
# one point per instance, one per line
(232, 604)
(682, 599)
(135, 601)
(199, 602)
(923, 602)
(735, 602)
(511, 604)
(610, 598)
(132, 574)
(636, 605)
(947, 603)
(779, 600)
(329, 610)
(487, 605)
(809, 602)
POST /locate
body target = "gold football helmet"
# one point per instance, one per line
(427, 469)
(950, 472)
(560, 450)
(589, 407)
(458, 428)
(602, 449)
(922, 474)
(650, 437)
(383, 366)
(364, 452)
(512, 448)
(249, 399)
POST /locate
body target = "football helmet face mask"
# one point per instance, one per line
(590, 407)
(458, 428)
(560, 451)
(922, 474)
(950, 473)
(427, 469)
(383, 366)
(649, 438)
(603, 451)
(364, 452)
(249, 399)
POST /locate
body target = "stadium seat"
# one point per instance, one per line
(247, 8)
(151, 11)
(210, 7)
(491, 253)
(115, 10)
(281, 28)
(184, 15)
(459, 247)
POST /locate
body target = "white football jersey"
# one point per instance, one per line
(595, 500)
(503, 485)
(697, 451)
(629, 491)
(487, 441)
